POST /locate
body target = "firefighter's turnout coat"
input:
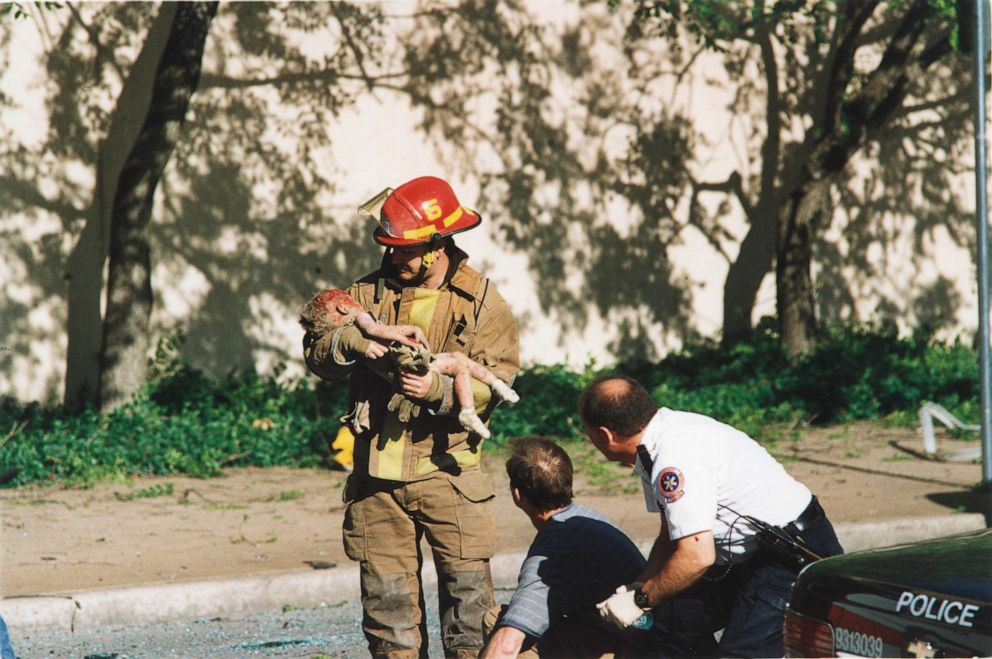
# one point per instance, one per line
(399, 440)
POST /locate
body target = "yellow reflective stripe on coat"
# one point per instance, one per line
(463, 458)
(387, 462)
(422, 309)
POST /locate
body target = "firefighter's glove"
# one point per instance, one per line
(436, 391)
(349, 344)
(619, 608)
(408, 359)
(402, 406)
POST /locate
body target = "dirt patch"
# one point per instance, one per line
(254, 521)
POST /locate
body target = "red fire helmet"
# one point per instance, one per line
(418, 213)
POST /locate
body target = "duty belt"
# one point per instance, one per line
(813, 512)
(785, 543)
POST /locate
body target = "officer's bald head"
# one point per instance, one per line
(618, 403)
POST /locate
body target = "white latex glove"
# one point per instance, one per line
(619, 608)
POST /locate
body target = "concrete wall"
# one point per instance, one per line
(590, 164)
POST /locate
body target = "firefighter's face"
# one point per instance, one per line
(409, 262)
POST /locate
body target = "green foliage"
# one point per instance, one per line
(716, 22)
(864, 374)
(548, 398)
(183, 422)
(855, 373)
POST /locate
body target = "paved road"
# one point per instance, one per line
(297, 633)
(331, 630)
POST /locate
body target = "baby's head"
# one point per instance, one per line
(329, 309)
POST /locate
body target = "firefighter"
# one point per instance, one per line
(416, 470)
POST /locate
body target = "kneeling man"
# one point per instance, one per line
(578, 558)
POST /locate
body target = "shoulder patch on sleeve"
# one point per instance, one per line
(670, 484)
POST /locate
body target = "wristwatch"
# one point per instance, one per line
(641, 599)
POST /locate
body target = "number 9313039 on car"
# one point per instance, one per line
(926, 599)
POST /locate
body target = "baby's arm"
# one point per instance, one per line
(410, 335)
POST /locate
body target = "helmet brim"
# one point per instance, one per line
(469, 220)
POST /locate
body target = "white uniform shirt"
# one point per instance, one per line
(705, 474)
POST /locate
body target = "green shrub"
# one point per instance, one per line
(181, 423)
(864, 374)
(548, 399)
(184, 422)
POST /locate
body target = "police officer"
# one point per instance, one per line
(416, 470)
(720, 494)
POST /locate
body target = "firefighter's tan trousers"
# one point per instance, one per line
(383, 525)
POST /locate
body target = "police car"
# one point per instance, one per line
(926, 599)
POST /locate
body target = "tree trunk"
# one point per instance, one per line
(757, 252)
(845, 124)
(799, 220)
(84, 269)
(124, 355)
(744, 277)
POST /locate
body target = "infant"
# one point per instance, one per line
(334, 308)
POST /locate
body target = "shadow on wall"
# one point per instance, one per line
(239, 204)
(904, 195)
(600, 159)
(587, 156)
(279, 262)
(585, 182)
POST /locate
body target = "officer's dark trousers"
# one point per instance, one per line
(747, 602)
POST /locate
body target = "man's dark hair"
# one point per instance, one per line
(542, 471)
(618, 403)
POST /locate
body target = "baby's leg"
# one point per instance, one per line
(467, 415)
(499, 388)
(455, 364)
(487, 377)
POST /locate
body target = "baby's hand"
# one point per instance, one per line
(376, 350)
(409, 335)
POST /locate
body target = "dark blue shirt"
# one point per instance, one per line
(576, 561)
